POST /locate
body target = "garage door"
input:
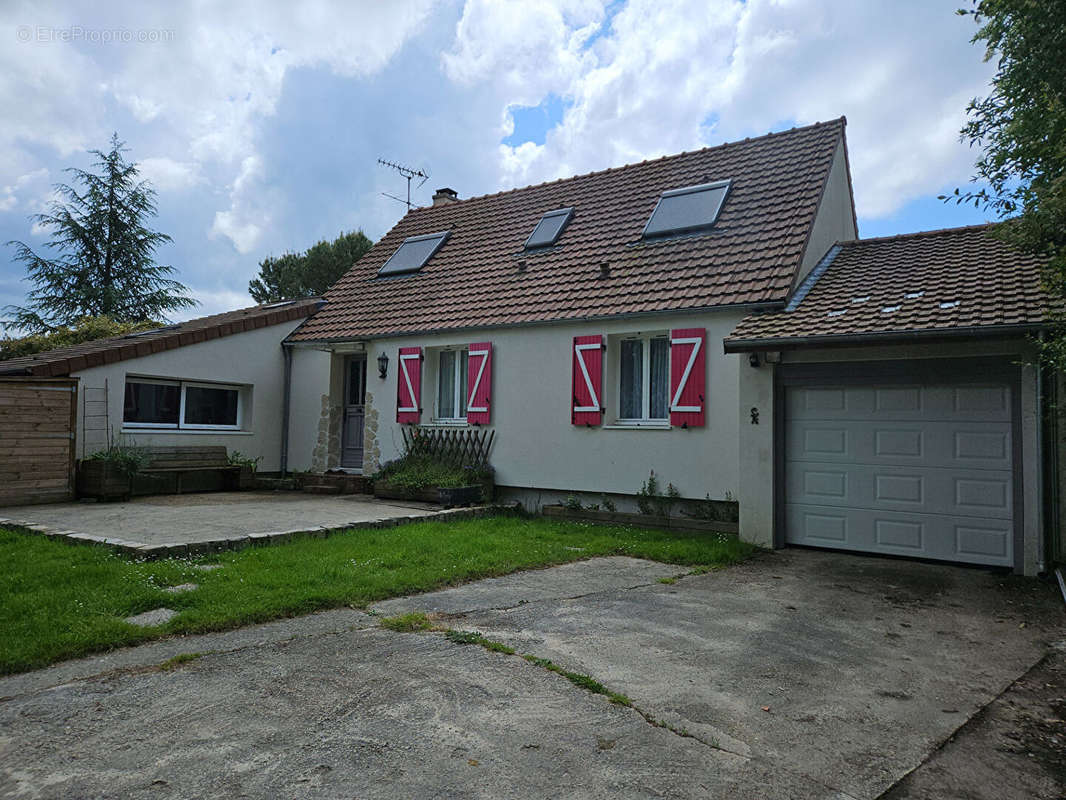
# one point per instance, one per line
(923, 471)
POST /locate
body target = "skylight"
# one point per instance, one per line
(413, 254)
(153, 330)
(690, 209)
(549, 228)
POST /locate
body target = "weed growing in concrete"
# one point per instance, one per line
(473, 637)
(407, 623)
(582, 681)
(178, 660)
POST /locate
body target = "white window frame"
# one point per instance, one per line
(644, 420)
(458, 389)
(181, 424)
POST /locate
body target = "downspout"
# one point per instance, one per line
(286, 402)
(1041, 564)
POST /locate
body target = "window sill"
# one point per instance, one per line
(447, 423)
(638, 426)
(185, 432)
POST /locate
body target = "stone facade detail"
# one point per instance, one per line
(371, 450)
(327, 452)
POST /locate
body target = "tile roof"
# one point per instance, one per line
(65, 360)
(482, 277)
(932, 283)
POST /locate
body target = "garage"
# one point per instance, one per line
(914, 469)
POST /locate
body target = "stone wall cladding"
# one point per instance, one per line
(371, 450)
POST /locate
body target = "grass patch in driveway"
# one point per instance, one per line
(60, 600)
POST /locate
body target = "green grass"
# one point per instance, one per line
(585, 682)
(473, 637)
(60, 600)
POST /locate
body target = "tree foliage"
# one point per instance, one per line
(308, 274)
(86, 329)
(103, 262)
(1020, 128)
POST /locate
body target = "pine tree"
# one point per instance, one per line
(104, 261)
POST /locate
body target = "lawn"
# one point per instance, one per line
(60, 600)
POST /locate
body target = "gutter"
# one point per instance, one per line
(858, 339)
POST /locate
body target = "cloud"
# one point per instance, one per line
(902, 73)
(167, 175)
(36, 184)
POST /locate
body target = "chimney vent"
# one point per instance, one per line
(443, 196)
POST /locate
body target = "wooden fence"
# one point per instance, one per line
(38, 418)
(463, 447)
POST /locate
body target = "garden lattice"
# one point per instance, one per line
(462, 447)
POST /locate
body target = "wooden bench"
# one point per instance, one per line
(177, 462)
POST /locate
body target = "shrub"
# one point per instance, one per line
(417, 472)
(238, 459)
(652, 501)
(127, 460)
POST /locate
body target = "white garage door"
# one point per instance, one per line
(923, 471)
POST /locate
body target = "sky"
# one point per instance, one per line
(260, 124)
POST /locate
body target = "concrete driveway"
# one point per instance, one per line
(799, 674)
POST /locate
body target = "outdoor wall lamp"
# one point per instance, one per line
(383, 365)
(753, 359)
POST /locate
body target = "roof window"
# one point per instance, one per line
(693, 208)
(550, 228)
(413, 254)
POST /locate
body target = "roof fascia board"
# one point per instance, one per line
(774, 306)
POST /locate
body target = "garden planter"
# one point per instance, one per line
(389, 491)
(459, 495)
(678, 523)
(246, 479)
(102, 480)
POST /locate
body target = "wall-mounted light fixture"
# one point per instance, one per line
(383, 365)
(753, 359)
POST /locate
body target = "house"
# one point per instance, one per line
(217, 380)
(709, 316)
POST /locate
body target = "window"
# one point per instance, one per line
(693, 208)
(174, 404)
(413, 254)
(644, 379)
(550, 228)
(451, 385)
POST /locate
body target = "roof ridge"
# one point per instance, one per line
(841, 120)
(915, 234)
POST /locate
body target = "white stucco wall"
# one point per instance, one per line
(536, 446)
(835, 220)
(311, 404)
(756, 462)
(252, 360)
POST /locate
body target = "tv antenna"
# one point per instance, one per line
(408, 173)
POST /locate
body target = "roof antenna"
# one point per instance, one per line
(407, 172)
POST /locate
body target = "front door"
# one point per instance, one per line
(354, 412)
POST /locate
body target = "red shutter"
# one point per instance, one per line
(587, 381)
(409, 385)
(688, 377)
(479, 384)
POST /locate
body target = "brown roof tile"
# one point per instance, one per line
(475, 281)
(65, 360)
(924, 274)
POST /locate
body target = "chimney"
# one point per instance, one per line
(444, 196)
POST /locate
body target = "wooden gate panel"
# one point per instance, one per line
(38, 419)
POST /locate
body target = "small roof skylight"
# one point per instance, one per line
(690, 209)
(413, 254)
(153, 330)
(550, 228)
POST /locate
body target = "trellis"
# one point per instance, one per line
(463, 447)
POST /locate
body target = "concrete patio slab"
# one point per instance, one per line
(189, 524)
